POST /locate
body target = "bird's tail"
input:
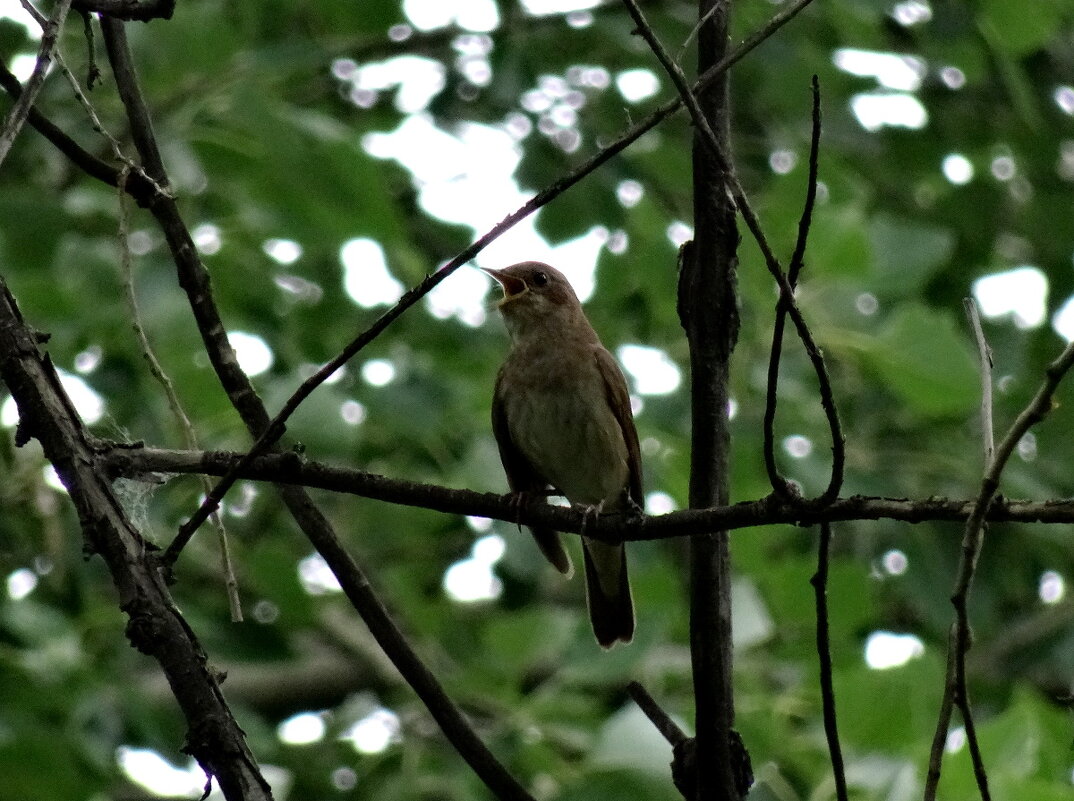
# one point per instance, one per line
(553, 550)
(611, 609)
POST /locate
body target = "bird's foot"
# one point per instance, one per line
(522, 498)
(634, 510)
(590, 512)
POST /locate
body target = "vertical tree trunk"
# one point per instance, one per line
(709, 313)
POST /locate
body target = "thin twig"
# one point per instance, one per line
(973, 541)
(824, 657)
(753, 224)
(93, 73)
(50, 31)
(778, 482)
(138, 185)
(943, 722)
(694, 32)
(190, 437)
(276, 427)
(962, 700)
(984, 353)
(667, 727)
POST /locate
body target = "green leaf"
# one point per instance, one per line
(906, 253)
(925, 362)
(1021, 29)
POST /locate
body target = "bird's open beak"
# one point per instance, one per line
(512, 287)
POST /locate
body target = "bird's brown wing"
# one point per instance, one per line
(523, 477)
(619, 399)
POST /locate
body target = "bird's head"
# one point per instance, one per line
(536, 297)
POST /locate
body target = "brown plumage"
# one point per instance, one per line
(561, 416)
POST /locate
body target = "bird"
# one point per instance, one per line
(562, 420)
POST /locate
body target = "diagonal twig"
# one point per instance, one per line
(972, 542)
(275, 428)
(984, 354)
(190, 437)
(137, 184)
(667, 727)
(16, 117)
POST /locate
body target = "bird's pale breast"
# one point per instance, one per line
(560, 419)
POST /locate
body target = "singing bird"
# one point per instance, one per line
(561, 416)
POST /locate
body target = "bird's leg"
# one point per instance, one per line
(520, 499)
(635, 513)
(587, 512)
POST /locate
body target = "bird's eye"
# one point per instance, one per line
(540, 278)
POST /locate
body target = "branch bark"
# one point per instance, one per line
(708, 310)
(154, 625)
(824, 659)
(289, 468)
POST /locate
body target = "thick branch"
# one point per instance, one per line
(708, 311)
(154, 625)
(288, 468)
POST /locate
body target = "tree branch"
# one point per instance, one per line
(16, 117)
(155, 627)
(148, 464)
(972, 542)
(824, 658)
(194, 279)
(137, 185)
(708, 312)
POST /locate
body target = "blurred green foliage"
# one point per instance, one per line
(263, 141)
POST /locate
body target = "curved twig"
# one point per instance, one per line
(786, 301)
(778, 482)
